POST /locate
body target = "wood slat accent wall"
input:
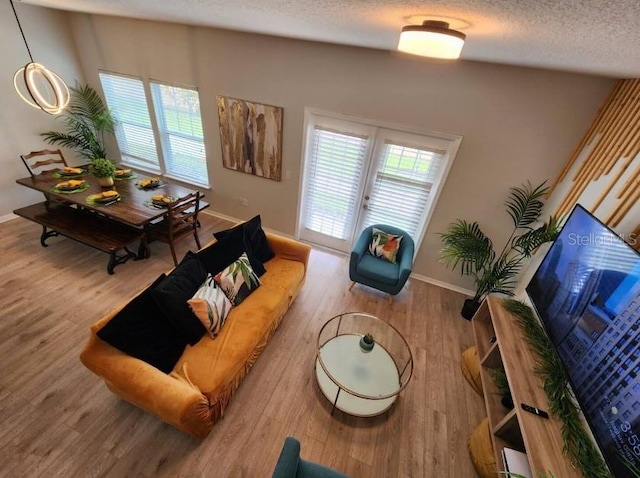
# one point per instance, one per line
(635, 238)
(614, 141)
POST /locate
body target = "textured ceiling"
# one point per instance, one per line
(590, 36)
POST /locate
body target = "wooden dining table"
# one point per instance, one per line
(134, 208)
(110, 227)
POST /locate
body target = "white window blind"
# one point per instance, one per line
(336, 163)
(402, 186)
(180, 128)
(357, 174)
(126, 98)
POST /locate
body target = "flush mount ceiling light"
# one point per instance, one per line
(433, 39)
(39, 86)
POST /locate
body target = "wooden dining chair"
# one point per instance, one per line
(180, 221)
(37, 162)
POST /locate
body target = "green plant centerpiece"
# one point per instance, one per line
(86, 122)
(468, 249)
(104, 170)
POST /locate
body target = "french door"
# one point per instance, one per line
(356, 174)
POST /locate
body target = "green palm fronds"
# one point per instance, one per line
(467, 246)
(467, 249)
(87, 107)
(528, 242)
(86, 121)
(524, 204)
(501, 277)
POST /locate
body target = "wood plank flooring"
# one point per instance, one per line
(58, 419)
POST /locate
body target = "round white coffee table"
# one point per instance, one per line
(357, 381)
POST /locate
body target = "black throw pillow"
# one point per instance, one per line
(172, 294)
(224, 252)
(254, 237)
(141, 331)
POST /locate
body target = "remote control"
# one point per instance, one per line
(534, 410)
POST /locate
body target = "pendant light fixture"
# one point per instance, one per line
(39, 86)
(433, 39)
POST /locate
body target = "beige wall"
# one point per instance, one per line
(517, 123)
(47, 33)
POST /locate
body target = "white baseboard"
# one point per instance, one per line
(442, 284)
(7, 217)
(209, 212)
(419, 277)
(235, 220)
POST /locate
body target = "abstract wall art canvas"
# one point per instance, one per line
(251, 137)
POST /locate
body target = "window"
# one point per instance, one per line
(405, 176)
(336, 162)
(180, 127)
(126, 98)
(176, 124)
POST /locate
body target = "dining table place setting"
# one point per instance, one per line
(105, 198)
(70, 186)
(69, 172)
(124, 174)
(160, 201)
(150, 183)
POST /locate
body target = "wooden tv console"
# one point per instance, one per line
(539, 438)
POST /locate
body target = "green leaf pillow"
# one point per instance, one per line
(238, 280)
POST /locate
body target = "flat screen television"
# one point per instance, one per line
(587, 295)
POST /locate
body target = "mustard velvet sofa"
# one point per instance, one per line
(194, 396)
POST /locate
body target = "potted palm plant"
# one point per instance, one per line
(87, 120)
(468, 249)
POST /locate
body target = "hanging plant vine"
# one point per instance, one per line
(578, 446)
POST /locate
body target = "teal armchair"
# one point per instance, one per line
(290, 465)
(380, 274)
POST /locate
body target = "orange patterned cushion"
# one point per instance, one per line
(211, 306)
(384, 245)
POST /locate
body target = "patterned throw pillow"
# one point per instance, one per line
(211, 306)
(238, 280)
(384, 245)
